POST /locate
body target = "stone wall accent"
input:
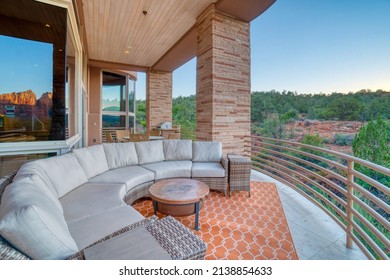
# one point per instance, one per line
(223, 80)
(158, 98)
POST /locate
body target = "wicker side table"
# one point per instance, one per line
(239, 173)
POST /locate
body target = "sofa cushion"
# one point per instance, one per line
(35, 167)
(91, 199)
(92, 159)
(207, 151)
(33, 224)
(58, 170)
(39, 184)
(92, 228)
(207, 169)
(131, 176)
(140, 245)
(170, 169)
(120, 154)
(178, 149)
(150, 151)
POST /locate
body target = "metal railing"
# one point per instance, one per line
(353, 192)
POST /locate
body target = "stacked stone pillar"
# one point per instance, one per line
(158, 98)
(223, 80)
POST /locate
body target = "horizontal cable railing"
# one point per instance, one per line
(352, 191)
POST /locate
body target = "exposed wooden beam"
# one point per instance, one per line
(117, 66)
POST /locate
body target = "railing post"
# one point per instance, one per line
(350, 179)
(248, 147)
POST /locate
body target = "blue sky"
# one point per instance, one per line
(32, 70)
(312, 46)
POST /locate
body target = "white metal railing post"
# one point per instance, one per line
(350, 179)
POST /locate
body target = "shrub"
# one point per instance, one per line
(343, 139)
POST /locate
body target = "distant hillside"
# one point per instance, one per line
(111, 108)
(336, 117)
(363, 105)
(110, 103)
(27, 97)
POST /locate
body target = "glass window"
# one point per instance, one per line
(26, 86)
(113, 92)
(131, 123)
(113, 121)
(9, 164)
(118, 106)
(32, 71)
(131, 96)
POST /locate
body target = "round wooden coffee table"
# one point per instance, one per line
(179, 197)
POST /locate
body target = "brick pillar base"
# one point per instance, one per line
(223, 80)
(158, 98)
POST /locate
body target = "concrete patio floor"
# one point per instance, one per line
(316, 236)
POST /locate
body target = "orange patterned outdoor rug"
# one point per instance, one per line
(240, 227)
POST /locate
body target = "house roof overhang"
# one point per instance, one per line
(145, 34)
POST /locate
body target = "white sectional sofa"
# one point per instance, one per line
(56, 207)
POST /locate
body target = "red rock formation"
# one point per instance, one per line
(27, 97)
(45, 103)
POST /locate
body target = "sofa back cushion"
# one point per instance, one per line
(41, 185)
(204, 151)
(33, 224)
(178, 149)
(64, 172)
(120, 154)
(92, 159)
(150, 151)
(36, 167)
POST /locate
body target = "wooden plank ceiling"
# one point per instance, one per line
(119, 31)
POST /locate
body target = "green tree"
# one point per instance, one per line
(275, 125)
(290, 116)
(372, 142)
(141, 114)
(184, 114)
(346, 108)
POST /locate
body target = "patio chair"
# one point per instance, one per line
(174, 136)
(122, 135)
(109, 137)
(139, 137)
(177, 128)
(154, 132)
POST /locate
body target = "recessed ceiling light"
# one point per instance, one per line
(47, 25)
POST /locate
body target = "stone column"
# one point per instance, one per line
(223, 80)
(158, 98)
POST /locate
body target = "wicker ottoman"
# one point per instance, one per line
(239, 173)
(176, 240)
